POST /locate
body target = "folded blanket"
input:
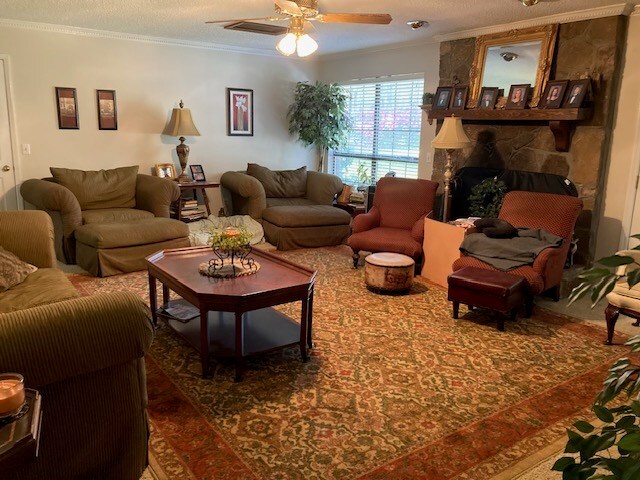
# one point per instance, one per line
(509, 253)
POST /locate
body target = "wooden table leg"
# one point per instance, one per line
(165, 296)
(310, 321)
(239, 354)
(304, 326)
(153, 299)
(204, 343)
(205, 199)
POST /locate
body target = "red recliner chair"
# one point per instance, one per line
(556, 214)
(395, 223)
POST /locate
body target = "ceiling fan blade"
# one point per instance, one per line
(308, 26)
(264, 19)
(289, 7)
(372, 18)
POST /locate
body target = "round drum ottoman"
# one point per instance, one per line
(388, 272)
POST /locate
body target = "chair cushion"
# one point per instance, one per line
(624, 297)
(282, 183)
(490, 282)
(535, 281)
(44, 286)
(114, 188)
(385, 239)
(283, 202)
(12, 270)
(306, 216)
(129, 234)
(114, 215)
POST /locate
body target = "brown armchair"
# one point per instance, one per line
(556, 214)
(395, 223)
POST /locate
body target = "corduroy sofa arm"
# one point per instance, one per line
(322, 188)
(55, 342)
(247, 189)
(52, 197)
(29, 235)
(155, 194)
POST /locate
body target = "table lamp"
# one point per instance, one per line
(182, 124)
(451, 137)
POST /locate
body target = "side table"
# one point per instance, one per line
(353, 209)
(194, 187)
(19, 439)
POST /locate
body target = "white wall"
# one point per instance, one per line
(149, 79)
(619, 194)
(394, 61)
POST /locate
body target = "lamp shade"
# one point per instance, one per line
(451, 135)
(181, 123)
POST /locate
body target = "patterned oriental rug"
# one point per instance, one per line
(395, 389)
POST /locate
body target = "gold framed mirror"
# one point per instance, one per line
(513, 57)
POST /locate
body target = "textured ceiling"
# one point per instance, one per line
(184, 19)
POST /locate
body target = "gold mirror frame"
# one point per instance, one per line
(547, 34)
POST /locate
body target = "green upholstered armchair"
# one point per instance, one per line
(83, 354)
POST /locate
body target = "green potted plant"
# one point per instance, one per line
(486, 198)
(427, 100)
(318, 116)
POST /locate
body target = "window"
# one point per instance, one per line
(385, 135)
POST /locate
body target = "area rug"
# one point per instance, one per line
(395, 388)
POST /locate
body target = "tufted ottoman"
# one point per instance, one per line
(388, 272)
(105, 249)
(305, 226)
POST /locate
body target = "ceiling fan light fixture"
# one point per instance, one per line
(529, 3)
(306, 45)
(287, 45)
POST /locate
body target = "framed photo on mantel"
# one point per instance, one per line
(67, 104)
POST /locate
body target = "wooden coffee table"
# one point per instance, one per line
(235, 315)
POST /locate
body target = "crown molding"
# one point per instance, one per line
(636, 11)
(579, 15)
(88, 32)
(379, 49)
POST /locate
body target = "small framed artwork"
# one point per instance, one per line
(459, 100)
(107, 110)
(577, 92)
(165, 170)
(518, 96)
(197, 173)
(443, 98)
(67, 102)
(488, 98)
(239, 112)
(553, 94)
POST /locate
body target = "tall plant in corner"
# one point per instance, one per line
(318, 115)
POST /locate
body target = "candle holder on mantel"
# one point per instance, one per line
(12, 397)
(231, 248)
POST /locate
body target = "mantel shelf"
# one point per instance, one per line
(562, 121)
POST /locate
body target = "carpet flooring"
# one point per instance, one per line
(395, 389)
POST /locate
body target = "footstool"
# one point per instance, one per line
(490, 289)
(105, 249)
(388, 272)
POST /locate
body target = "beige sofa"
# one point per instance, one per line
(85, 357)
(108, 221)
(294, 206)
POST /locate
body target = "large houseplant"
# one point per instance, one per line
(619, 427)
(318, 115)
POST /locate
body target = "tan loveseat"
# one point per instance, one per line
(294, 206)
(108, 221)
(85, 357)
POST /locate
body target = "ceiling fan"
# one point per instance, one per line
(300, 14)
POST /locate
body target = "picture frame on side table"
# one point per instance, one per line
(442, 98)
(576, 93)
(197, 173)
(488, 98)
(67, 105)
(239, 112)
(553, 94)
(459, 98)
(166, 170)
(107, 110)
(518, 97)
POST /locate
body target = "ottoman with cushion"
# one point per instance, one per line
(105, 249)
(388, 272)
(490, 289)
(305, 226)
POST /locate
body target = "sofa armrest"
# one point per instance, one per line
(417, 231)
(247, 194)
(55, 342)
(29, 235)
(366, 221)
(550, 264)
(155, 194)
(322, 188)
(52, 197)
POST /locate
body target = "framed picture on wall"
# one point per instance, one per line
(107, 110)
(459, 100)
(239, 112)
(165, 170)
(553, 94)
(488, 98)
(67, 104)
(197, 173)
(442, 98)
(577, 91)
(518, 96)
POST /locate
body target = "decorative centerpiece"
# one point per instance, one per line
(231, 248)
(12, 397)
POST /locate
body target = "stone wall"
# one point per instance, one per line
(592, 47)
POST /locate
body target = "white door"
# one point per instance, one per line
(8, 191)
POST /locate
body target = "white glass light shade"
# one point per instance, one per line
(287, 45)
(306, 45)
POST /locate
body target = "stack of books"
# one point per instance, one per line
(189, 210)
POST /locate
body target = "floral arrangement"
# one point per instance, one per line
(231, 238)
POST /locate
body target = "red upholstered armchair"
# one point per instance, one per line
(556, 214)
(395, 223)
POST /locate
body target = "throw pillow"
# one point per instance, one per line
(282, 183)
(495, 228)
(115, 188)
(12, 270)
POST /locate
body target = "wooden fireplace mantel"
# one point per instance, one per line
(562, 121)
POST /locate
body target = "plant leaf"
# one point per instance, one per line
(584, 427)
(563, 463)
(579, 292)
(615, 261)
(605, 286)
(633, 277)
(630, 442)
(603, 413)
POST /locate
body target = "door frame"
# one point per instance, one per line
(633, 190)
(13, 135)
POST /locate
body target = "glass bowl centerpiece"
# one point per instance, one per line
(231, 248)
